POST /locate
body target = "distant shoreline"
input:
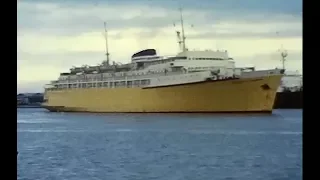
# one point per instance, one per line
(29, 106)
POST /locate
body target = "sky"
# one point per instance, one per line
(54, 35)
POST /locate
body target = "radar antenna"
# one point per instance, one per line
(106, 38)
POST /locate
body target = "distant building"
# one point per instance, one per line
(29, 98)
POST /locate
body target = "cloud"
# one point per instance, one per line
(55, 35)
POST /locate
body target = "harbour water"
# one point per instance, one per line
(159, 146)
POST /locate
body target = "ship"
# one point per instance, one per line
(290, 92)
(192, 81)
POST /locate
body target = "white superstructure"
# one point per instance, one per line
(147, 69)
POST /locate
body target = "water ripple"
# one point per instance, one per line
(98, 146)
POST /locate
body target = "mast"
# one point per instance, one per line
(284, 54)
(106, 38)
(179, 40)
(182, 31)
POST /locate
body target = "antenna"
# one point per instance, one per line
(106, 38)
(182, 30)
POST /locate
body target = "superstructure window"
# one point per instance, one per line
(207, 58)
(145, 82)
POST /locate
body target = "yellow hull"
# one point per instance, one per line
(237, 95)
